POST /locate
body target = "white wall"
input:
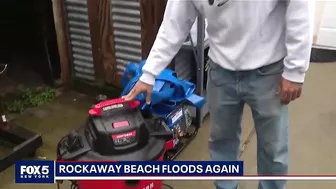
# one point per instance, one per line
(318, 16)
(325, 24)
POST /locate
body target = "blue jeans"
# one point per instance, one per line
(228, 91)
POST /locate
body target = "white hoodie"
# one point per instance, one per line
(243, 34)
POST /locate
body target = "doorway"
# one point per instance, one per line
(28, 44)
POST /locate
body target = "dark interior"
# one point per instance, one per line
(28, 41)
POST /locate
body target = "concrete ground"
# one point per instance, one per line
(312, 129)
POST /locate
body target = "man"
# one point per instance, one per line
(259, 53)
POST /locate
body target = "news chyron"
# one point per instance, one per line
(34, 172)
(49, 171)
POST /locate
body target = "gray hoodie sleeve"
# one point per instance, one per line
(177, 21)
(299, 38)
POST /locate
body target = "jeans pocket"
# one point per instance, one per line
(272, 69)
(217, 75)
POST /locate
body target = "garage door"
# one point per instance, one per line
(327, 33)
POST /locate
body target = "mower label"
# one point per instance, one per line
(113, 107)
(124, 138)
(150, 186)
(124, 135)
(177, 116)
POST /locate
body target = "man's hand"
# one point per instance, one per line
(289, 91)
(140, 87)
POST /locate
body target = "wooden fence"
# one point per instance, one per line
(97, 38)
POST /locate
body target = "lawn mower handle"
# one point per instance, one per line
(97, 109)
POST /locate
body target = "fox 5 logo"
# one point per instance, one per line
(34, 171)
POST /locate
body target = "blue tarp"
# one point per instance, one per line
(168, 90)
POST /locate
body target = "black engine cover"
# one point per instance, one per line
(115, 130)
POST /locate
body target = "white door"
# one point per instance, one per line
(326, 36)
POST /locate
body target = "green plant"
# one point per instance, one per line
(26, 96)
(29, 98)
(16, 106)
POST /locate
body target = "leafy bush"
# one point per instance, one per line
(29, 98)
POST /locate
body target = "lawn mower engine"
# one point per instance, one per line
(179, 123)
(115, 131)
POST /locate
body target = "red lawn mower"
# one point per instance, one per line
(116, 130)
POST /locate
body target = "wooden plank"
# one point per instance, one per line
(102, 39)
(107, 44)
(63, 47)
(146, 26)
(95, 23)
(159, 8)
(152, 12)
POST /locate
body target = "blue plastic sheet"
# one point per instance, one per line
(168, 90)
